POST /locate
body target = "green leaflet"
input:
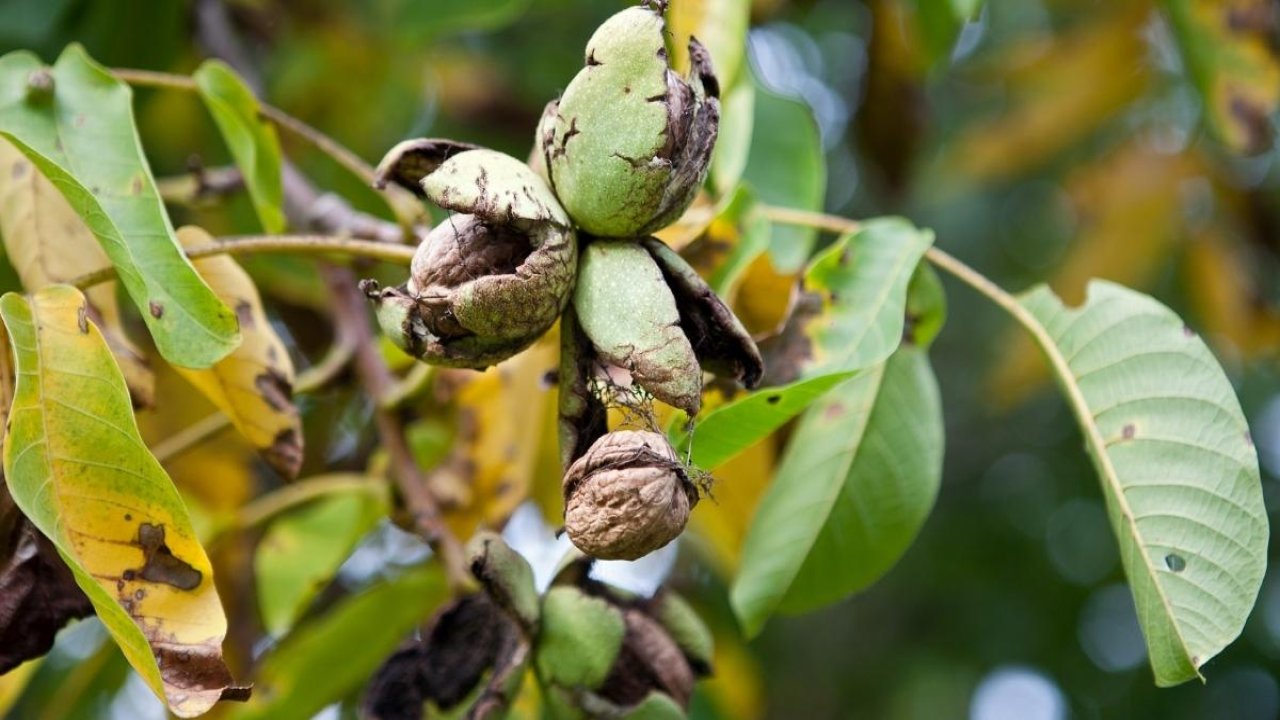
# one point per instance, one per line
(333, 655)
(731, 429)
(77, 467)
(852, 490)
(251, 139)
(1177, 466)
(862, 281)
(75, 122)
(786, 167)
(301, 551)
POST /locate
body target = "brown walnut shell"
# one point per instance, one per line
(627, 496)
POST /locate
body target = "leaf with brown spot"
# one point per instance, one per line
(78, 469)
(1231, 54)
(254, 384)
(48, 243)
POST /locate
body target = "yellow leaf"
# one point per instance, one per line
(1217, 278)
(765, 296)
(721, 523)
(254, 384)
(48, 243)
(736, 687)
(1050, 106)
(14, 682)
(502, 418)
(77, 468)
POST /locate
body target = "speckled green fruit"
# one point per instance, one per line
(628, 144)
(627, 311)
(580, 639)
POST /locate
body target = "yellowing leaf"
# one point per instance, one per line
(1231, 308)
(720, 25)
(254, 384)
(503, 415)
(1230, 51)
(1050, 107)
(76, 466)
(722, 523)
(48, 243)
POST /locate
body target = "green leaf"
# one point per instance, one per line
(733, 144)
(75, 122)
(720, 25)
(330, 657)
(862, 281)
(786, 167)
(302, 550)
(1231, 55)
(77, 467)
(1177, 466)
(730, 429)
(251, 139)
(851, 491)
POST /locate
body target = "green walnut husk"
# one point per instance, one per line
(645, 310)
(488, 281)
(602, 653)
(628, 144)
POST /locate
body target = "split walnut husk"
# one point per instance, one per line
(628, 144)
(644, 309)
(489, 281)
(627, 496)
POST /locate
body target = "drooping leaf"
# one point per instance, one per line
(330, 657)
(862, 281)
(1231, 55)
(74, 121)
(48, 243)
(250, 137)
(732, 428)
(1177, 466)
(254, 384)
(786, 167)
(852, 490)
(78, 469)
(301, 551)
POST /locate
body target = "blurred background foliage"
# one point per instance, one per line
(1051, 140)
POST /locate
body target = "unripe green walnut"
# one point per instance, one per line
(628, 144)
(645, 310)
(487, 282)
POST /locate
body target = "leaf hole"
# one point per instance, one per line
(1175, 562)
(773, 399)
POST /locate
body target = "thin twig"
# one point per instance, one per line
(265, 507)
(190, 436)
(292, 244)
(200, 186)
(351, 313)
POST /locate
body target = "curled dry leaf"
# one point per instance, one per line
(254, 384)
(38, 594)
(48, 243)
